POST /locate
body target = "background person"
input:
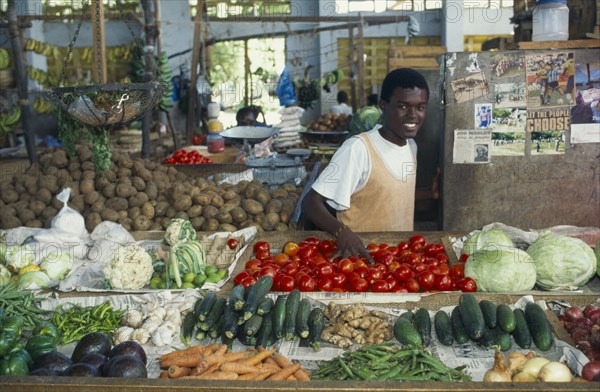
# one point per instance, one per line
(342, 106)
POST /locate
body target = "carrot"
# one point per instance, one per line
(284, 373)
(209, 360)
(194, 350)
(185, 361)
(164, 374)
(270, 366)
(178, 371)
(284, 363)
(248, 376)
(213, 367)
(239, 368)
(291, 378)
(263, 375)
(259, 357)
(233, 357)
(215, 376)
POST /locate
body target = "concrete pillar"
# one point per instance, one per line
(454, 18)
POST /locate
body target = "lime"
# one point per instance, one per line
(210, 269)
(222, 272)
(155, 282)
(189, 277)
(199, 280)
(213, 278)
(162, 285)
(188, 285)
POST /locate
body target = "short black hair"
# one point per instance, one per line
(372, 100)
(342, 96)
(404, 78)
(243, 112)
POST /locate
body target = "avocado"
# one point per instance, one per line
(94, 359)
(52, 361)
(93, 342)
(125, 366)
(131, 348)
(81, 369)
(43, 372)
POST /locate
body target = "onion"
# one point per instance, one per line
(498, 373)
(580, 335)
(555, 372)
(594, 316)
(573, 313)
(533, 366)
(515, 360)
(588, 309)
(523, 377)
(584, 323)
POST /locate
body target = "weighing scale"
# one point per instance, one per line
(275, 169)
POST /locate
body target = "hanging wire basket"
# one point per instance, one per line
(107, 104)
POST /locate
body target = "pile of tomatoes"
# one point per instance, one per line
(184, 157)
(408, 267)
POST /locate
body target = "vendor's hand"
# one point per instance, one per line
(349, 244)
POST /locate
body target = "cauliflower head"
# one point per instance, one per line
(178, 231)
(130, 268)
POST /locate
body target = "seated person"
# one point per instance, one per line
(246, 117)
(342, 106)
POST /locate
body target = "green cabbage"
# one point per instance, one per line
(562, 263)
(57, 265)
(178, 231)
(5, 275)
(34, 280)
(481, 239)
(17, 257)
(364, 120)
(501, 269)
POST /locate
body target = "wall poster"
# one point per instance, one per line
(585, 115)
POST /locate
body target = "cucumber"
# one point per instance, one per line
(236, 297)
(443, 328)
(302, 318)
(291, 309)
(422, 323)
(521, 333)
(256, 294)
(502, 339)
(278, 313)
(488, 308)
(506, 318)
(230, 326)
(252, 326)
(187, 328)
(215, 313)
(471, 316)
(408, 316)
(407, 334)
(265, 334)
(203, 307)
(264, 306)
(458, 329)
(316, 324)
(538, 325)
(488, 338)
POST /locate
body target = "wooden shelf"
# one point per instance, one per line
(572, 44)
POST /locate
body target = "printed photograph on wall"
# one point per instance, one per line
(508, 132)
(585, 115)
(547, 143)
(547, 129)
(470, 87)
(507, 66)
(550, 80)
(483, 115)
(509, 95)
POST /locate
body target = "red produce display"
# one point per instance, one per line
(184, 157)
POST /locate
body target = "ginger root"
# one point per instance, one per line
(355, 324)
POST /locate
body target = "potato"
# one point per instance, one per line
(238, 215)
(25, 196)
(117, 203)
(148, 210)
(216, 200)
(36, 206)
(210, 212)
(202, 199)
(241, 186)
(124, 173)
(54, 203)
(122, 214)
(279, 193)
(262, 196)
(87, 165)
(269, 221)
(10, 222)
(198, 222)
(182, 203)
(224, 217)
(25, 215)
(144, 174)
(194, 211)
(251, 189)
(155, 227)
(151, 190)
(210, 225)
(281, 227)
(89, 175)
(59, 158)
(11, 196)
(252, 206)
(108, 214)
(91, 197)
(110, 175)
(258, 218)
(274, 205)
(84, 153)
(229, 195)
(87, 186)
(50, 170)
(125, 190)
(110, 190)
(73, 165)
(126, 222)
(138, 199)
(77, 203)
(160, 209)
(138, 183)
(62, 177)
(101, 182)
(49, 212)
(19, 188)
(49, 182)
(181, 215)
(171, 212)
(227, 227)
(97, 206)
(289, 187)
(134, 212)
(35, 223)
(141, 223)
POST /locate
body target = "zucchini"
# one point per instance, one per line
(264, 306)
(278, 313)
(187, 328)
(488, 308)
(247, 340)
(227, 340)
(506, 318)
(265, 334)
(443, 328)
(256, 294)
(316, 324)
(252, 326)
(471, 316)
(521, 333)
(458, 329)
(291, 309)
(408, 316)
(422, 323)
(302, 318)
(230, 326)
(200, 335)
(502, 339)
(215, 313)
(488, 338)
(538, 325)
(407, 334)
(236, 297)
(203, 306)
(216, 329)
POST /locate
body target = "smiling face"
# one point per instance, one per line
(404, 114)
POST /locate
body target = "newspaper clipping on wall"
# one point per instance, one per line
(471, 146)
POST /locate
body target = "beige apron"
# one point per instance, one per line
(385, 203)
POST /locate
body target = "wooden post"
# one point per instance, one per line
(191, 118)
(352, 63)
(99, 43)
(361, 67)
(21, 76)
(246, 72)
(151, 33)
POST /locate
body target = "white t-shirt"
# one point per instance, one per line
(341, 108)
(349, 168)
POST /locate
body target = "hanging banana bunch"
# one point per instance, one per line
(42, 106)
(4, 58)
(8, 120)
(163, 74)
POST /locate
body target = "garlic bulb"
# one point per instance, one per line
(122, 334)
(134, 318)
(141, 336)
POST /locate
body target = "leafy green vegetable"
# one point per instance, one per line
(501, 269)
(365, 119)
(482, 239)
(178, 231)
(34, 280)
(57, 265)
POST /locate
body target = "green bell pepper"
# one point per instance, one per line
(8, 341)
(21, 352)
(14, 365)
(13, 324)
(47, 328)
(38, 345)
